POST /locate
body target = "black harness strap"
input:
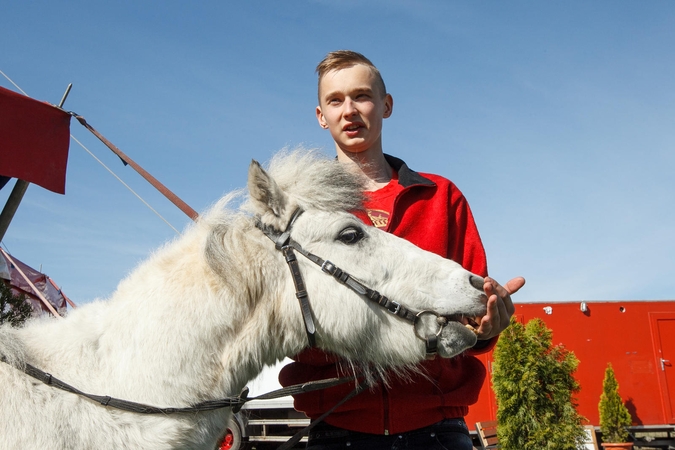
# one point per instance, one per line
(348, 280)
(228, 402)
(281, 243)
(301, 294)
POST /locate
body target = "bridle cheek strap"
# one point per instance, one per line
(301, 293)
(281, 240)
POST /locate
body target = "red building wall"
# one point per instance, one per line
(633, 335)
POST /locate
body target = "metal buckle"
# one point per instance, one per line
(328, 267)
(397, 307)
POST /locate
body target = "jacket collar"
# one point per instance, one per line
(406, 176)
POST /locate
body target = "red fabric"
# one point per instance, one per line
(381, 202)
(12, 277)
(34, 139)
(437, 218)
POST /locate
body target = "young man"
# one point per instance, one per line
(428, 210)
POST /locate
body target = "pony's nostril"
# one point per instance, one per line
(476, 282)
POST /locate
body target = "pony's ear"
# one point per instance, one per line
(265, 191)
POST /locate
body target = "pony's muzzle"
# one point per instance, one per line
(476, 282)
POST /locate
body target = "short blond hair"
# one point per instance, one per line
(342, 59)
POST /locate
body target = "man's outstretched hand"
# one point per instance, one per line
(499, 306)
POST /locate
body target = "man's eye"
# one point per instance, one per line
(350, 235)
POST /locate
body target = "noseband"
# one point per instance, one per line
(287, 246)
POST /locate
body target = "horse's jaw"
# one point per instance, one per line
(263, 339)
(455, 339)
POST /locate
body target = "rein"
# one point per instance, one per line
(228, 402)
(284, 243)
(235, 403)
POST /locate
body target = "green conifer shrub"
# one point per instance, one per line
(534, 385)
(14, 309)
(614, 416)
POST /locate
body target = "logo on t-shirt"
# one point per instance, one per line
(379, 217)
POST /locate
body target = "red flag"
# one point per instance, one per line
(34, 139)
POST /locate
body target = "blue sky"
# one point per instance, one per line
(556, 120)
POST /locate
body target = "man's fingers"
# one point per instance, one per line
(511, 287)
(514, 285)
(500, 308)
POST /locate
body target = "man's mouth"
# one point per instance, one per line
(352, 127)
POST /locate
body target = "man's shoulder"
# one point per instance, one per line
(443, 183)
(410, 176)
(438, 179)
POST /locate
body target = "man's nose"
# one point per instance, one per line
(349, 107)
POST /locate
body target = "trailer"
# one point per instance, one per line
(264, 424)
(637, 337)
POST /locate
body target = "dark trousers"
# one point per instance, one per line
(448, 434)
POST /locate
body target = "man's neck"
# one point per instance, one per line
(371, 163)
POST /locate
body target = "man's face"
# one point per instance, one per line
(351, 107)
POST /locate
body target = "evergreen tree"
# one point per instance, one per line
(534, 386)
(614, 416)
(14, 309)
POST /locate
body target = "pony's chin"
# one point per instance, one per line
(455, 339)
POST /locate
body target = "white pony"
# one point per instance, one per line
(208, 311)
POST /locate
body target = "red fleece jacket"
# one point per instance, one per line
(433, 214)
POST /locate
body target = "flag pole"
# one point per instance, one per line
(173, 198)
(12, 205)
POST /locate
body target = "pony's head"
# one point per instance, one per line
(425, 301)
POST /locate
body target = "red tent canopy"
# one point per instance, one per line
(10, 273)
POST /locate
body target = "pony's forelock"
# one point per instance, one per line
(314, 181)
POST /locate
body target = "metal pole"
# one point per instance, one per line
(12, 205)
(173, 198)
(65, 95)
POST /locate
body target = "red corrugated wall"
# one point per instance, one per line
(633, 335)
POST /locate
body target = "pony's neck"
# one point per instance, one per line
(175, 332)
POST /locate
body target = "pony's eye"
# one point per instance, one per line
(350, 235)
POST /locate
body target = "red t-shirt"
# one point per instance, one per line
(379, 204)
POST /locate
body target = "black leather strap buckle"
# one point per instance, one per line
(393, 307)
(328, 267)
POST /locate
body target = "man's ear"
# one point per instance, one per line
(320, 118)
(388, 106)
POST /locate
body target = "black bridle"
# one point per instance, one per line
(284, 243)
